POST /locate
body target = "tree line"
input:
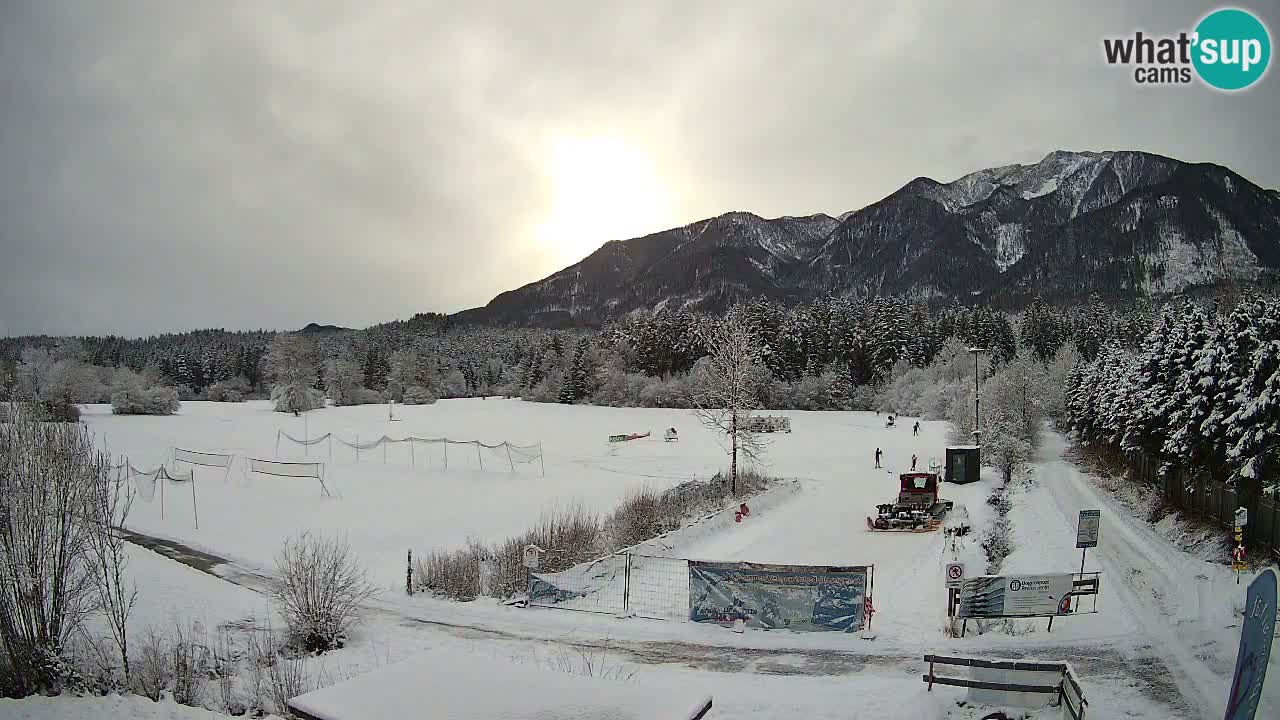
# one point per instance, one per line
(827, 354)
(1200, 394)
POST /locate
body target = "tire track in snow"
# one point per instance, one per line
(1138, 558)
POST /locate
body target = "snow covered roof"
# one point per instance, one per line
(963, 447)
(451, 685)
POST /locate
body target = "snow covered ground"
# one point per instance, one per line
(1162, 645)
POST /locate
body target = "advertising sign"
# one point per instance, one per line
(1087, 528)
(994, 596)
(794, 597)
(1255, 647)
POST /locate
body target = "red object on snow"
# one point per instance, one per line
(744, 509)
(737, 516)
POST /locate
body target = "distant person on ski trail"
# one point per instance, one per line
(878, 454)
(913, 463)
(915, 429)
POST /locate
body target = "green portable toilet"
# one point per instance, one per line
(964, 464)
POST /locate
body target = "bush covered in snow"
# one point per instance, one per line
(139, 400)
(296, 398)
(573, 536)
(418, 395)
(234, 390)
(320, 589)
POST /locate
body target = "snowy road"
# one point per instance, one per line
(1182, 605)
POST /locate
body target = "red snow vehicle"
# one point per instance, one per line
(918, 508)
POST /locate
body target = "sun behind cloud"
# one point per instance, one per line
(603, 188)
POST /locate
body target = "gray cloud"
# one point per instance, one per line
(175, 165)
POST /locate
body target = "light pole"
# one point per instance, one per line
(975, 351)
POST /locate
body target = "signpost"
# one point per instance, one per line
(954, 579)
(1087, 532)
(1237, 553)
(532, 559)
(1256, 633)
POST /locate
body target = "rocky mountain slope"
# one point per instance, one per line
(1122, 224)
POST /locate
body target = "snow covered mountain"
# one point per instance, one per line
(1122, 224)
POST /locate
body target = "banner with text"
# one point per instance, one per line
(795, 597)
(993, 596)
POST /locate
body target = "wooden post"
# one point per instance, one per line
(330, 447)
(541, 462)
(930, 674)
(1050, 624)
(408, 574)
(384, 449)
(445, 442)
(509, 462)
(479, 456)
(413, 461)
(195, 510)
(278, 431)
(160, 480)
(357, 447)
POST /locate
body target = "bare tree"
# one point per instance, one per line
(727, 384)
(49, 474)
(112, 501)
(320, 589)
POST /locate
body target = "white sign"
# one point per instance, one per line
(1087, 528)
(989, 596)
(532, 554)
(1242, 517)
(955, 575)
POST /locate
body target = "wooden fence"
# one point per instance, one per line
(1214, 501)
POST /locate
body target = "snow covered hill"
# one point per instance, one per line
(1126, 224)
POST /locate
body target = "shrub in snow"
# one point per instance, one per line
(54, 411)
(296, 398)
(235, 389)
(320, 590)
(50, 478)
(145, 401)
(575, 533)
(362, 396)
(418, 395)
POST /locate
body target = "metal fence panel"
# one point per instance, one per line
(659, 587)
(599, 586)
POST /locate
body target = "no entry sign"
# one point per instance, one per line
(955, 574)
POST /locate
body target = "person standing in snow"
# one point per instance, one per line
(913, 462)
(878, 454)
(915, 429)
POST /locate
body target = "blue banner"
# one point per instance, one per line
(1256, 633)
(793, 597)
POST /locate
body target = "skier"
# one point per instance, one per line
(915, 429)
(878, 454)
(913, 462)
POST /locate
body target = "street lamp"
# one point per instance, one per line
(975, 351)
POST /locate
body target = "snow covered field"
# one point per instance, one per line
(1162, 644)
(387, 507)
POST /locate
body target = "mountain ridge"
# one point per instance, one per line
(1120, 223)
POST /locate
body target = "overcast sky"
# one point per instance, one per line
(174, 165)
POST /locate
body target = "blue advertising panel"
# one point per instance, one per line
(793, 597)
(1256, 633)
